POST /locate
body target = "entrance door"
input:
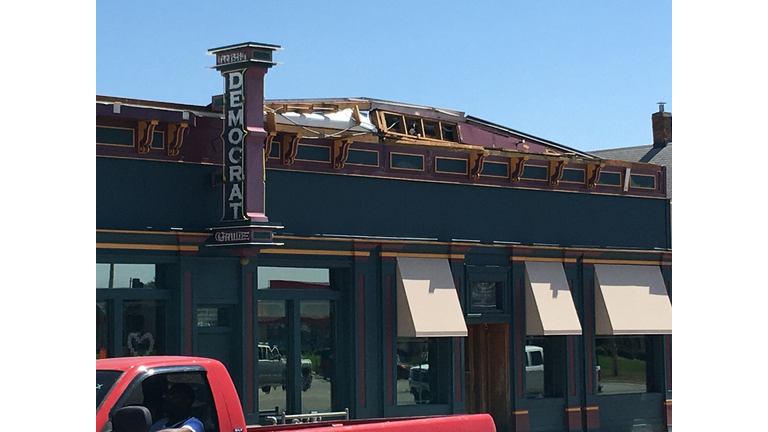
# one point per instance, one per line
(296, 355)
(487, 374)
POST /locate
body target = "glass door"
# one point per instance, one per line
(296, 356)
(317, 355)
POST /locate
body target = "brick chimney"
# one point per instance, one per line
(662, 127)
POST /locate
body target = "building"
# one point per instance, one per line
(388, 258)
(659, 153)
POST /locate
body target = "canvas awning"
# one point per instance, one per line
(549, 308)
(631, 300)
(427, 300)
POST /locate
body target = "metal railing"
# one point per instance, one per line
(308, 418)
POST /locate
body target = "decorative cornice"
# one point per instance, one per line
(475, 164)
(175, 138)
(516, 167)
(146, 129)
(556, 171)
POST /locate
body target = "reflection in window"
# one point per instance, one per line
(317, 355)
(293, 278)
(102, 329)
(622, 364)
(143, 327)
(110, 275)
(544, 358)
(273, 356)
(212, 317)
(105, 379)
(415, 383)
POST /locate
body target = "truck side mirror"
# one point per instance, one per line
(132, 419)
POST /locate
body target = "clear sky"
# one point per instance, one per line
(584, 74)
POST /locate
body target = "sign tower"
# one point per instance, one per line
(244, 221)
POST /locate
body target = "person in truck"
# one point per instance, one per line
(177, 405)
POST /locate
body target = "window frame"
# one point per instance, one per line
(382, 118)
(498, 274)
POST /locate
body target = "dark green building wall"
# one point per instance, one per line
(138, 194)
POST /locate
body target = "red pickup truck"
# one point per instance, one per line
(125, 386)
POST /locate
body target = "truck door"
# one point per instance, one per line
(148, 390)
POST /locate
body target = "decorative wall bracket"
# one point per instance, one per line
(516, 166)
(271, 128)
(268, 144)
(476, 161)
(175, 138)
(593, 174)
(146, 133)
(290, 148)
(340, 152)
(556, 168)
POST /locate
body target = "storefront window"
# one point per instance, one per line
(111, 275)
(622, 364)
(417, 377)
(544, 361)
(294, 278)
(143, 327)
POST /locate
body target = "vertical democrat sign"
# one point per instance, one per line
(234, 138)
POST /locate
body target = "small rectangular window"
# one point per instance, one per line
(485, 296)
(609, 179)
(406, 161)
(293, 278)
(431, 129)
(642, 181)
(449, 132)
(111, 275)
(533, 172)
(413, 126)
(212, 317)
(394, 123)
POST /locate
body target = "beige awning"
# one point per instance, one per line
(427, 300)
(631, 300)
(549, 308)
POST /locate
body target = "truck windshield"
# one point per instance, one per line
(105, 379)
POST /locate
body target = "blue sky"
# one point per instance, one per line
(583, 74)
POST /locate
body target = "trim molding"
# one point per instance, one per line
(420, 255)
(179, 248)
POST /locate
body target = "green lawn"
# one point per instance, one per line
(629, 370)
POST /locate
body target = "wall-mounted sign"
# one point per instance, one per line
(233, 136)
(235, 57)
(485, 295)
(255, 235)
